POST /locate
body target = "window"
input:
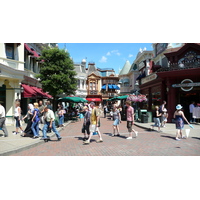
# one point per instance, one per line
(10, 51)
(103, 74)
(92, 86)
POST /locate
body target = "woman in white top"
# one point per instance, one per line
(17, 117)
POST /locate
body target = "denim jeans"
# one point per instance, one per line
(61, 120)
(44, 130)
(35, 128)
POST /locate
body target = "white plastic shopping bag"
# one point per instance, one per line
(187, 132)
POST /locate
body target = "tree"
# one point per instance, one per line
(57, 74)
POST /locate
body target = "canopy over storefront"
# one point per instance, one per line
(73, 99)
(31, 92)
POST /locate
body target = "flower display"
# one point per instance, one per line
(138, 98)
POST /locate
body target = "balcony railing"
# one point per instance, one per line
(181, 66)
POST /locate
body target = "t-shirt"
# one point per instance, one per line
(129, 113)
(36, 119)
(116, 114)
(93, 117)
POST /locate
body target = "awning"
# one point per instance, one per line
(28, 91)
(31, 51)
(115, 87)
(41, 93)
(73, 99)
(28, 49)
(31, 91)
(126, 80)
(94, 99)
(103, 87)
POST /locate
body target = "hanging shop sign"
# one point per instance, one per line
(186, 85)
(149, 78)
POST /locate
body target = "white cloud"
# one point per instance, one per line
(103, 59)
(108, 54)
(116, 52)
(130, 55)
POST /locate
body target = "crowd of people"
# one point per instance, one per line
(42, 118)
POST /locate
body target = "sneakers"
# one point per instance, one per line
(129, 138)
(59, 138)
(177, 139)
(86, 142)
(136, 133)
(15, 133)
(98, 141)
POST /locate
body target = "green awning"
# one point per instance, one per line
(120, 97)
(73, 99)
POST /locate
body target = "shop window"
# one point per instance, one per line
(10, 50)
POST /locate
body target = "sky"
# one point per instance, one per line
(105, 55)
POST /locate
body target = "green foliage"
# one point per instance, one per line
(57, 74)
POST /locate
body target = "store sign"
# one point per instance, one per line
(149, 78)
(186, 85)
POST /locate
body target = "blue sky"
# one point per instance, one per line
(105, 55)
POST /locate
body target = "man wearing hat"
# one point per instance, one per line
(2, 120)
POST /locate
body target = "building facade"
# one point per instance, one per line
(18, 67)
(174, 76)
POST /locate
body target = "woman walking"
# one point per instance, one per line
(61, 113)
(179, 118)
(35, 121)
(156, 118)
(17, 117)
(29, 115)
(117, 120)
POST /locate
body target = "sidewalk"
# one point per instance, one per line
(15, 143)
(171, 129)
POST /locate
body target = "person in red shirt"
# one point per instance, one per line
(130, 120)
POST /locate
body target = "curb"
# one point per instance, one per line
(34, 144)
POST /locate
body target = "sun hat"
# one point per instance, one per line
(178, 107)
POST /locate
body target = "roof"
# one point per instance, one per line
(125, 69)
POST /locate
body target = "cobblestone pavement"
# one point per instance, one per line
(148, 143)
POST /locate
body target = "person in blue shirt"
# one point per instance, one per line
(35, 121)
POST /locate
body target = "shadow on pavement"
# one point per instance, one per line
(168, 137)
(196, 138)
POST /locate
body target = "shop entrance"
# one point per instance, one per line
(187, 97)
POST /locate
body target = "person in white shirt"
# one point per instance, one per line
(191, 107)
(2, 120)
(49, 119)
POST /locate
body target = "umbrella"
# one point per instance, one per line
(73, 99)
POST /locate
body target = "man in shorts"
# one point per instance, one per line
(130, 120)
(94, 119)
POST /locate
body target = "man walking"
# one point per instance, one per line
(2, 120)
(130, 120)
(49, 119)
(94, 119)
(191, 107)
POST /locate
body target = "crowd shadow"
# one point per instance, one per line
(196, 138)
(167, 136)
(120, 136)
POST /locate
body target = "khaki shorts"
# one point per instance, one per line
(129, 126)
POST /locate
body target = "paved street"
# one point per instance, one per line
(148, 143)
